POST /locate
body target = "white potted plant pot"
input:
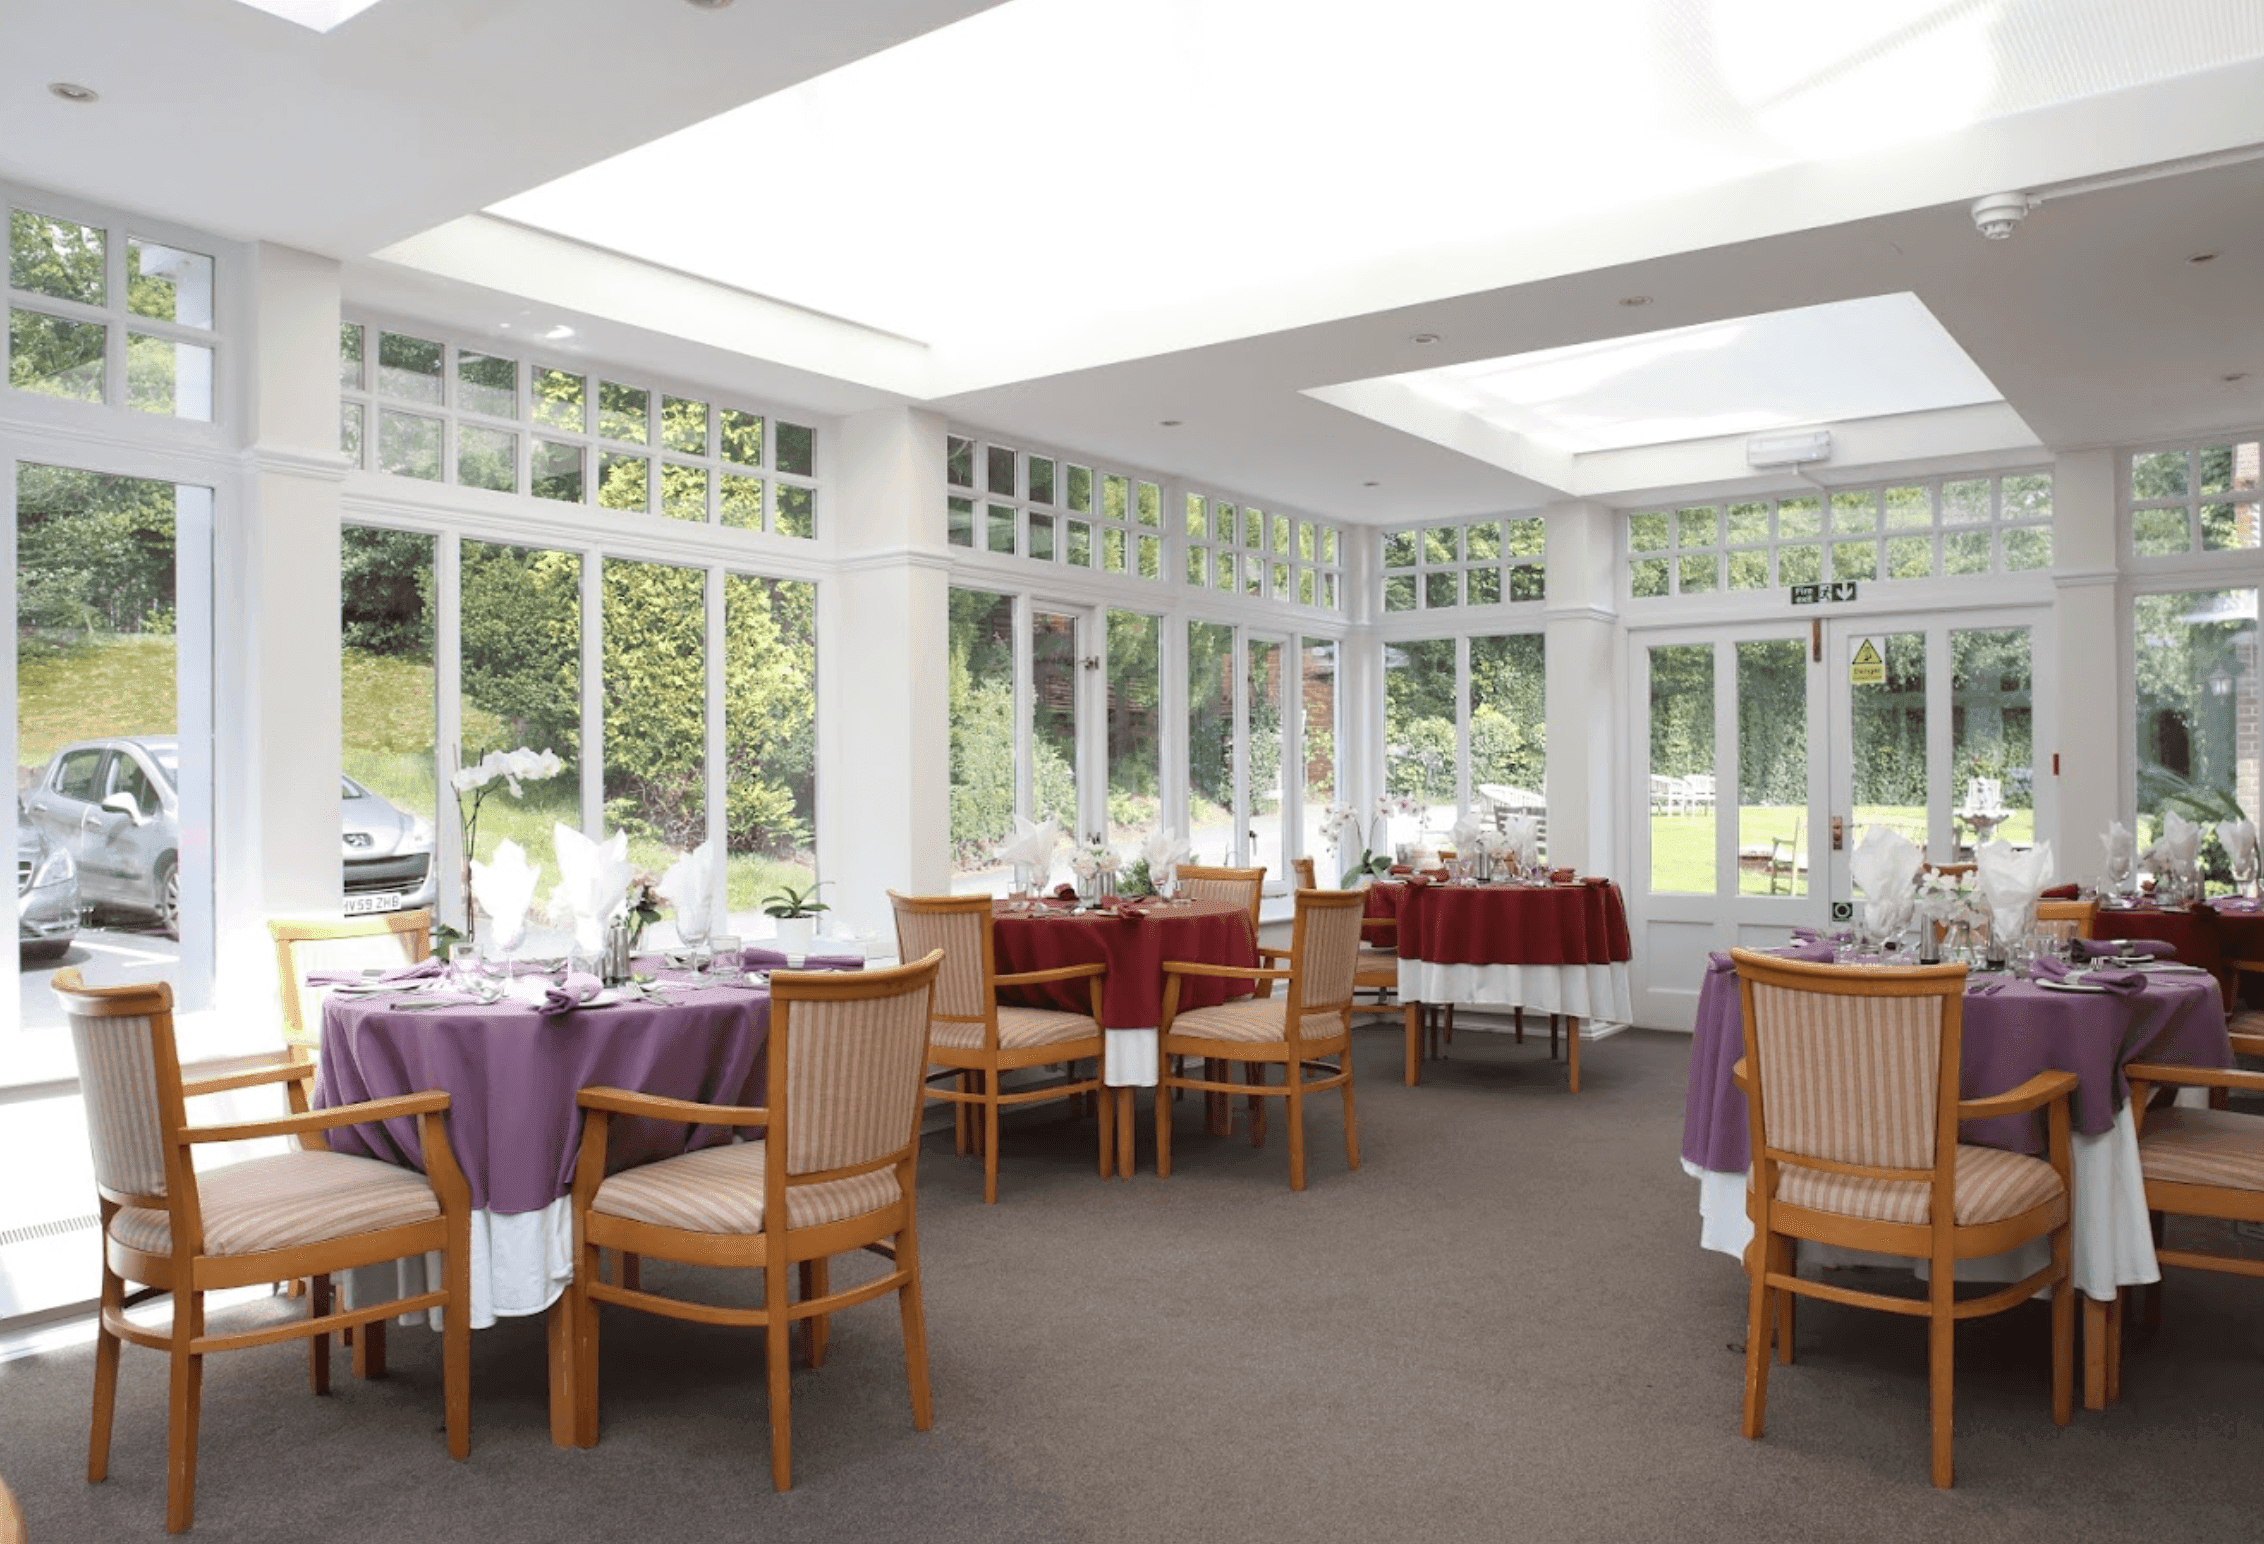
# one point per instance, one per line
(795, 933)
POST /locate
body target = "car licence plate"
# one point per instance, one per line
(384, 900)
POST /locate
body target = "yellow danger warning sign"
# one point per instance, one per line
(1867, 666)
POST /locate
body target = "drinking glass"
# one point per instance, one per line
(464, 966)
(724, 964)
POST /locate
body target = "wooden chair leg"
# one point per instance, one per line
(1104, 1106)
(1572, 1050)
(990, 1141)
(1552, 1037)
(778, 1346)
(2063, 1347)
(960, 1134)
(2150, 1310)
(575, 1378)
(318, 1347)
(1296, 1085)
(816, 1282)
(1450, 1023)
(106, 1348)
(1757, 1325)
(1124, 1131)
(2114, 1350)
(1163, 1131)
(915, 1321)
(456, 1342)
(1351, 1118)
(1256, 1073)
(1412, 1013)
(1785, 1261)
(186, 1409)
(2094, 1354)
(369, 1351)
(1941, 1387)
(1517, 1019)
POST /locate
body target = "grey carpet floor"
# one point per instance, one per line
(1501, 1327)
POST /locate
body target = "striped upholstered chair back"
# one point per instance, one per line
(1235, 886)
(1324, 952)
(302, 947)
(1850, 1065)
(959, 925)
(130, 1077)
(850, 1049)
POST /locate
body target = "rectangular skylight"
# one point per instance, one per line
(316, 15)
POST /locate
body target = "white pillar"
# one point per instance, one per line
(1581, 626)
(2091, 744)
(884, 732)
(277, 713)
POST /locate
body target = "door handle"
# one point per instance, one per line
(1839, 834)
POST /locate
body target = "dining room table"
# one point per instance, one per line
(512, 1072)
(1556, 947)
(2013, 1029)
(1133, 937)
(2212, 934)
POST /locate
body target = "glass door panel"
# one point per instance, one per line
(983, 738)
(1887, 737)
(1263, 795)
(1135, 730)
(1772, 766)
(1682, 776)
(1419, 739)
(1210, 741)
(1993, 733)
(1054, 656)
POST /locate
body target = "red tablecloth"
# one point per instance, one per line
(1134, 947)
(1579, 924)
(2206, 936)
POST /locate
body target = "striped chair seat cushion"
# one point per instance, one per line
(1018, 1029)
(2204, 1147)
(1992, 1184)
(2245, 1021)
(287, 1201)
(1254, 1021)
(720, 1190)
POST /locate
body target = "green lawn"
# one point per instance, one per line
(1682, 846)
(115, 685)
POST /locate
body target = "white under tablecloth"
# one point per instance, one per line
(2111, 1243)
(1583, 991)
(521, 1262)
(1131, 1059)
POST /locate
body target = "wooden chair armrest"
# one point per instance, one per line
(1058, 973)
(1739, 1076)
(1269, 952)
(2249, 1045)
(2195, 1077)
(622, 1101)
(1237, 972)
(2039, 1090)
(368, 1112)
(278, 1072)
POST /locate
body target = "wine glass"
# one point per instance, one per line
(692, 927)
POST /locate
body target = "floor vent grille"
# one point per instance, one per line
(40, 1230)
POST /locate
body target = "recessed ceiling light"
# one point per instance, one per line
(2202, 257)
(72, 91)
(1371, 483)
(708, 5)
(2237, 375)
(1424, 339)
(314, 15)
(1634, 300)
(1172, 423)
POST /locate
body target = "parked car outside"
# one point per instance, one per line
(114, 806)
(47, 892)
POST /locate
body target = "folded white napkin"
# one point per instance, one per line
(2121, 851)
(1164, 851)
(504, 889)
(2239, 838)
(1523, 840)
(1885, 867)
(1033, 845)
(1469, 835)
(2181, 844)
(689, 887)
(2008, 883)
(593, 881)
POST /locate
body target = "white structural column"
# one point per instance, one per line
(276, 647)
(1585, 792)
(2089, 632)
(884, 731)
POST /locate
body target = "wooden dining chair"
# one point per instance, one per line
(303, 1213)
(1243, 887)
(2069, 919)
(1310, 1021)
(977, 1040)
(11, 1517)
(2196, 1163)
(1851, 1079)
(834, 1170)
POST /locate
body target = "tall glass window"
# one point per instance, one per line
(770, 662)
(1772, 766)
(1509, 726)
(1053, 719)
(655, 708)
(389, 718)
(1682, 768)
(1317, 754)
(983, 735)
(2198, 712)
(1210, 741)
(1419, 735)
(1267, 786)
(1135, 728)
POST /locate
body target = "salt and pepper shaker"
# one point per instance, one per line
(615, 970)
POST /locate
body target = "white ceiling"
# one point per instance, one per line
(1204, 210)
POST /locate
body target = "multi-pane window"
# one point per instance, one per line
(102, 314)
(1017, 502)
(446, 412)
(1946, 528)
(1246, 551)
(2194, 498)
(1473, 563)
(2199, 699)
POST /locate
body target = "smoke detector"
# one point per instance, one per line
(1997, 215)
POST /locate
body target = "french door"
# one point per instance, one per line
(1762, 751)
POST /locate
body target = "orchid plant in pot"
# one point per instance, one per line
(796, 912)
(472, 786)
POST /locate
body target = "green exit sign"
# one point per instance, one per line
(1823, 594)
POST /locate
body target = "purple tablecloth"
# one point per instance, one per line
(511, 1076)
(2009, 1037)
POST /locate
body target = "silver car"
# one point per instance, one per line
(114, 806)
(47, 892)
